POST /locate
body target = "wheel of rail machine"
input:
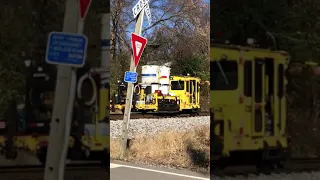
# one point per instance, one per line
(12, 122)
(42, 155)
(105, 159)
(265, 167)
(263, 164)
(11, 154)
(194, 112)
(280, 165)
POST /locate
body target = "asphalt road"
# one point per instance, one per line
(127, 171)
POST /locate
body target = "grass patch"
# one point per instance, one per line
(189, 149)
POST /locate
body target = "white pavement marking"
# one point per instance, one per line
(157, 171)
(114, 165)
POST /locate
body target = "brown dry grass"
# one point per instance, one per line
(176, 149)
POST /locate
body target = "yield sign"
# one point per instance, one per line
(84, 7)
(138, 45)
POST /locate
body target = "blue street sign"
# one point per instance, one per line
(66, 49)
(130, 77)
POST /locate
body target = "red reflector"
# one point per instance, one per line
(43, 143)
(240, 100)
(35, 135)
(33, 125)
(158, 92)
(2, 125)
(316, 70)
(259, 105)
(164, 76)
(240, 61)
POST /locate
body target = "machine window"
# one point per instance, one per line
(177, 85)
(248, 78)
(188, 86)
(223, 75)
(122, 93)
(259, 64)
(280, 80)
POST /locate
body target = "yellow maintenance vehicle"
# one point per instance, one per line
(118, 100)
(27, 127)
(248, 106)
(183, 96)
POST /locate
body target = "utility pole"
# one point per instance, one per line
(63, 101)
(127, 112)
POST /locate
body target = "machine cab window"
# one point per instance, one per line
(224, 75)
(177, 85)
(122, 92)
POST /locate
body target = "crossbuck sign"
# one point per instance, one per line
(148, 13)
(142, 5)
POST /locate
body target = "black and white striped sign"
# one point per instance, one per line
(148, 13)
(139, 7)
(104, 78)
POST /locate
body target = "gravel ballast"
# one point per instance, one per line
(151, 127)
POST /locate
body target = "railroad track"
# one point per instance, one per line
(94, 171)
(292, 166)
(19, 168)
(153, 116)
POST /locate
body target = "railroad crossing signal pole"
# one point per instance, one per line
(104, 100)
(127, 112)
(55, 162)
(105, 65)
(64, 91)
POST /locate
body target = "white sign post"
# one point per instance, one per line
(65, 49)
(138, 44)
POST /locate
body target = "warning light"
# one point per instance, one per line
(158, 92)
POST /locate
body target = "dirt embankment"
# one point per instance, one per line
(175, 149)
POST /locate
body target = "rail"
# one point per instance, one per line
(40, 168)
(35, 172)
(154, 116)
(294, 165)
